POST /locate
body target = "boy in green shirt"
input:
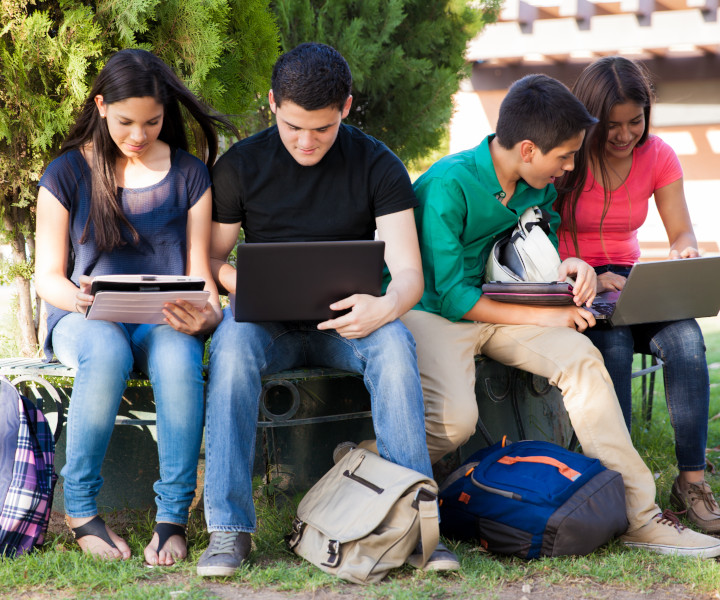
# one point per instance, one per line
(468, 201)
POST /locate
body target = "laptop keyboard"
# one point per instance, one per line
(604, 308)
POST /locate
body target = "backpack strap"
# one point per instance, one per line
(427, 505)
(53, 394)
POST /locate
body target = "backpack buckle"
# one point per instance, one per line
(298, 527)
(423, 495)
(333, 558)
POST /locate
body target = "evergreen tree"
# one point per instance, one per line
(407, 59)
(49, 54)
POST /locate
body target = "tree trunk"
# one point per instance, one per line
(26, 325)
(35, 300)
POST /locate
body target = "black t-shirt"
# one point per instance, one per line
(258, 183)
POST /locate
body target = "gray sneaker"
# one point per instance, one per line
(225, 553)
(342, 449)
(442, 559)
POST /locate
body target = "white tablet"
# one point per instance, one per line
(141, 298)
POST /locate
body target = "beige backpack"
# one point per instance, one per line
(365, 517)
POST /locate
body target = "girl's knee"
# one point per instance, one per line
(109, 357)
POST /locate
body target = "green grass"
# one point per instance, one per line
(60, 571)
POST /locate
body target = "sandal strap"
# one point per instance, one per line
(95, 527)
(165, 531)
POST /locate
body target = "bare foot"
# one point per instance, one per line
(92, 544)
(174, 549)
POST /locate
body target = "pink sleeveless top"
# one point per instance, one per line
(655, 165)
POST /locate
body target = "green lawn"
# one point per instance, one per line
(60, 571)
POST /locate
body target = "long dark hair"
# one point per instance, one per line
(603, 84)
(135, 73)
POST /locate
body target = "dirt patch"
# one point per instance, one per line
(230, 590)
(514, 591)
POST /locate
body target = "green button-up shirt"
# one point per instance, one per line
(460, 217)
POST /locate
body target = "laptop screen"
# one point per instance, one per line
(668, 290)
(297, 281)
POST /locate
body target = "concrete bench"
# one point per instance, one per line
(33, 372)
(303, 414)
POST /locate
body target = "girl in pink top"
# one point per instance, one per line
(603, 203)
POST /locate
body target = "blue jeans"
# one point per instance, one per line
(104, 353)
(241, 353)
(681, 347)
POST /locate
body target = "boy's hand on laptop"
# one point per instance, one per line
(610, 282)
(367, 314)
(574, 317)
(585, 286)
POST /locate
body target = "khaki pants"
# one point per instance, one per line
(446, 357)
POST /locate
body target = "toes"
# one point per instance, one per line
(150, 552)
(98, 546)
(122, 548)
(173, 550)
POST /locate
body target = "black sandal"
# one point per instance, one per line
(95, 527)
(165, 531)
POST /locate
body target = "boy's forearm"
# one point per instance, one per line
(224, 275)
(491, 311)
(407, 288)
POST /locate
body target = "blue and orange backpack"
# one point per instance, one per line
(532, 499)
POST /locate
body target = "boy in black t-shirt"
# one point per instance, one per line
(310, 178)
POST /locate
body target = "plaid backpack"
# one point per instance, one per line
(27, 472)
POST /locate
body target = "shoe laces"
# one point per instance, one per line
(222, 542)
(702, 491)
(668, 517)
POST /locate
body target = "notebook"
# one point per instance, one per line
(140, 298)
(297, 281)
(665, 290)
(549, 293)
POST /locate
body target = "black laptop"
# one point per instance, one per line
(297, 281)
(666, 290)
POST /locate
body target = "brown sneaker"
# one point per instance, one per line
(700, 504)
(665, 534)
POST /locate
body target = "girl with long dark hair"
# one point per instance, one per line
(126, 197)
(603, 203)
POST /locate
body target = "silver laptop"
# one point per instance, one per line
(666, 290)
(297, 281)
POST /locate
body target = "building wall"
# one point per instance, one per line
(539, 39)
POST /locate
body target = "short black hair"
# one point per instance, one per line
(313, 76)
(543, 110)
